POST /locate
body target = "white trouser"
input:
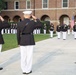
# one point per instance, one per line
(51, 33)
(44, 31)
(8, 31)
(75, 35)
(11, 30)
(59, 35)
(68, 31)
(5, 30)
(14, 31)
(2, 31)
(34, 31)
(26, 58)
(64, 35)
(37, 31)
(0, 47)
(72, 32)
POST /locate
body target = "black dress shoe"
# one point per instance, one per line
(1, 68)
(27, 73)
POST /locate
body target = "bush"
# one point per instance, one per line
(47, 26)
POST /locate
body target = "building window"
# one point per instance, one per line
(28, 4)
(44, 3)
(16, 5)
(65, 3)
(6, 5)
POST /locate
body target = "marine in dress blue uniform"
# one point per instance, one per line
(3, 24)
(58, 29)
(69, 29)
(26, 41)
(45, 28)
(74, 29)
(51, 30)
(64, 31)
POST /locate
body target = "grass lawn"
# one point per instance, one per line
(11, 40)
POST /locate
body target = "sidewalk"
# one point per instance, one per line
(51, 57)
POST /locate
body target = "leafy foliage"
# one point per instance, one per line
(2, 4)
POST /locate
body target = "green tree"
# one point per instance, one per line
(2, 4)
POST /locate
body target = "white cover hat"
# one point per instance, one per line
(27, 12)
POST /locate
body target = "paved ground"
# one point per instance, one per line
(51, 57)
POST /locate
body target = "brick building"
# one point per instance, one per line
(46, 10)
